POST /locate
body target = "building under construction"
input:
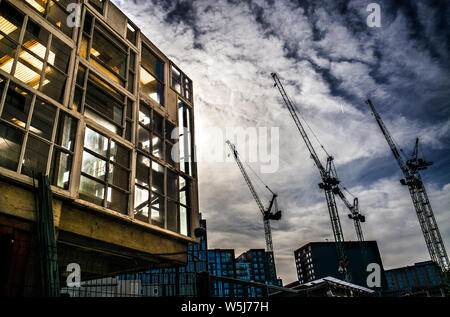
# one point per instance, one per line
(90, 171)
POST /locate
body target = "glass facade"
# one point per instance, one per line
(93, 115)
(181, 281)
(420, 275)
(221, 262)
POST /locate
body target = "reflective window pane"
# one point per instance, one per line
(102, 101)
(152, 63)
(36, 37)
(158, 178)
(43, 119)
(10, 146)
(171, 154)
(172, 216)
(60, 168)
(93, 115)
(151, 87)
(93, 166)
(119, 154)
(141, 199)
(54, 83)
(118, 176)
(67, 128)
(184, 191)
(144, 116)
(35, 158)
(183, 221)
(17, 105)
(143, 139)
(158, 123)
(176, 79)
(157, 207)
(96, 142)
(117, 201)
(62, 54)
(142, 170)
(169, 129)
(172, 186)
(91, 190)
(81, 74)
(157, 147)
(109, 52)
(57, 15)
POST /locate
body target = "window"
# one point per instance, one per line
(97, 4)
(153, 136)
(161, 197)
(105, 172)
(107, 53)
(11, 140)
(185, 135)
(28, 127)
(149, 191)
(131, 33)
(152, 76)
(63, 151)
(11, 21)
(102, 103)
(181, 83)
(42, 62)
(55, 12)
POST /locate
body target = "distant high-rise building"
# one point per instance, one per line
(316, 260)
(222, 262)
(175, 281)
(259, 267)
(262, 267)
(423, 277)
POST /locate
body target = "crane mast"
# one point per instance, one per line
(419, 196)
(266, 213)
(354, 214)
(329, 182)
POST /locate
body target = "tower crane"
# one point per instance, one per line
(329, 182)
(266, 213)
(418, 194)
(354, 214)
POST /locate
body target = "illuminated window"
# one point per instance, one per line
(35, 55)
(108, 54)
(54, 11)
(152, 76)
(105, 172)
(11, 21)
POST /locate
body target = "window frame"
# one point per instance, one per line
(108, 162)
(161, 82)
(26, 131)
(96, 25)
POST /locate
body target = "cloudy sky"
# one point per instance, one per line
(329, 61)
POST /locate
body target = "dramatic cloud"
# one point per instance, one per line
(329, 61)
